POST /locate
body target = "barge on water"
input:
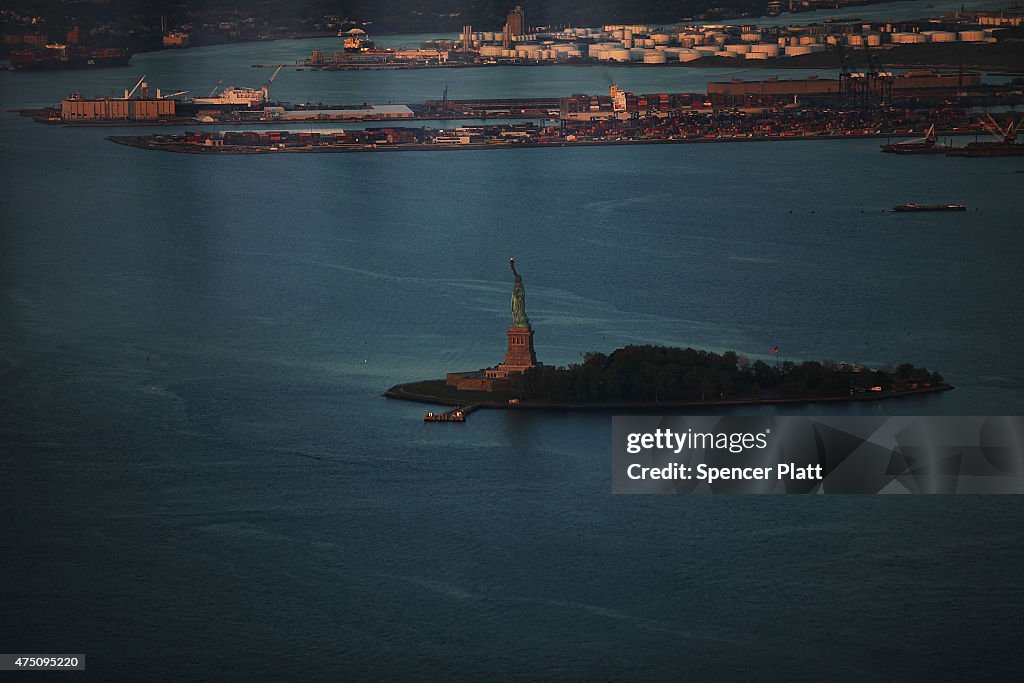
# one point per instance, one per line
(1004, 145)
(988, 149)
(929, 207)
(929, 144)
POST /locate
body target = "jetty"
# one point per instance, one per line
(456, 414)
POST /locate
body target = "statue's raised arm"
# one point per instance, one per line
(519, 318)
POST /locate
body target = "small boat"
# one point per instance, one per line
(930, 207)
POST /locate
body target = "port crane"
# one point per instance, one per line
(929, 137)
(128, 93)
(265, 90)
(864, 88)
(1007, 135)
(276, 71)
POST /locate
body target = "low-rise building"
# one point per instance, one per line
(78, 108)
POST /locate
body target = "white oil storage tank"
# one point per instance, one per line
(793, 50)
(770, 49)
(907, 38)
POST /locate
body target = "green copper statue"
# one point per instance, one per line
(519, 318)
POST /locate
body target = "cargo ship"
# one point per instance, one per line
(233, 97)
(929, 207)
(356, 40)
(929, 144)
(53, 57)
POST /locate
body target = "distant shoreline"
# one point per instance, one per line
(399, 392)
(780, 63)
(147, 143)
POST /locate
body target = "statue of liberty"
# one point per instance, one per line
(519, 318)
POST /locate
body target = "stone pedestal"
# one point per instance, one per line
(520, 355)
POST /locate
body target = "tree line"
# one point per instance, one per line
(659, 373)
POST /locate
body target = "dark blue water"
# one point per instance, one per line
(201, 479)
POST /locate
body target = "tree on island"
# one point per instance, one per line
(641, 374)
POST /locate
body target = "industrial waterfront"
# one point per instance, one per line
(193, 351)
(860, 101)
(865, 54)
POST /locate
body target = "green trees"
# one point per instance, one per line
(643, 374)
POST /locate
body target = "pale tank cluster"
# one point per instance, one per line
(648, 44)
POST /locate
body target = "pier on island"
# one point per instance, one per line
(456, 414)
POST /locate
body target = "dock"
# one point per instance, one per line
(456, 414)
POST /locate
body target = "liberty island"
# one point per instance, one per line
(643, 377)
